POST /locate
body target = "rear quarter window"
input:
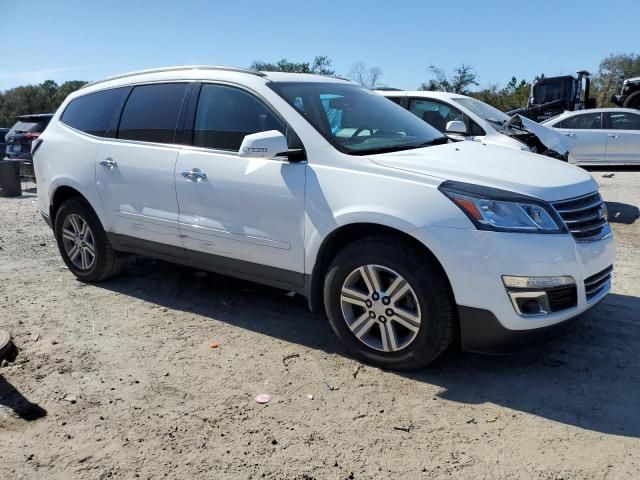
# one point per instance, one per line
(94, 112)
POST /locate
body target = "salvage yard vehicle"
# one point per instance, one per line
(630, 94)
(467, 118)
(408, 241)
(601, 136)
(3, 144)
(550, 96)
(20, 137)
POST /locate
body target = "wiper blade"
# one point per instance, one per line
(398, 148)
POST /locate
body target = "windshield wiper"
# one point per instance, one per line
(398, 148)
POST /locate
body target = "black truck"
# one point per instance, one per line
(550, 96)
(630, 95)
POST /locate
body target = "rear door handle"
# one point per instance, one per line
(613, 135)
(110, 163)
(195, 175)
(569, 134)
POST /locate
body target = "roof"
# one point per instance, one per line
(34, 116)
(202, 72)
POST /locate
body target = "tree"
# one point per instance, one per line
(43, 98)
(321, 65)
(462, 79)
(367, 77)
(612, 71)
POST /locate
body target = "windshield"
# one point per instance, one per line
(356, 120)
(483, 110)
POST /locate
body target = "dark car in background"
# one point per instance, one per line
(3, 145)
(19, 138)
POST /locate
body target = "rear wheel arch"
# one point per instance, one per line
(346, 235)
(61, 195)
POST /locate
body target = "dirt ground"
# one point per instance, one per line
(118, 380)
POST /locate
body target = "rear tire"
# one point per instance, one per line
(83, 243)
(633, 101)
(397, 326)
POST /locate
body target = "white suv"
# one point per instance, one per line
(408, 241)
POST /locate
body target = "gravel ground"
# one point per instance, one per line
(119, 380)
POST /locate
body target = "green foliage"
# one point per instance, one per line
(462, 79)
(320, 65)
(514, 95)
(43, 98)
(612, 71)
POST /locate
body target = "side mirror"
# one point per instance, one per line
(456, 126)
(263, 145)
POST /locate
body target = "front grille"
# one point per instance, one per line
(597, 283)
(585, 217)
(562, 298)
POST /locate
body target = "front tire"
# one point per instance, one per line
(83, 243)
(389, 303)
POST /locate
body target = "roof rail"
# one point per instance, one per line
(177, 69)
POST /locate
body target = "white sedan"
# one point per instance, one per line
(601, 135)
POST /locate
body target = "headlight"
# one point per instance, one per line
(500, 210)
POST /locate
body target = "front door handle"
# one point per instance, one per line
(195, 175)
(613, 135)
(110, 163)
(569, 134)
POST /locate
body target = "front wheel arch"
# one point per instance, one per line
(344, 236)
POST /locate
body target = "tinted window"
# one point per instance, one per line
(587, 121)
(225, 115)
(395, 99)
(624, 121)
(93, 113)
(438, 114)
(151, 113)
(22, 126)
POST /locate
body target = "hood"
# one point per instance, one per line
(508, 169)
(548, 137)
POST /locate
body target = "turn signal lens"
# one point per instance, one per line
(537, 282)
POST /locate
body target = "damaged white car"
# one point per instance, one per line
(467, 118)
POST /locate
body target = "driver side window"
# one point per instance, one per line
(438, 114)
(225, 115)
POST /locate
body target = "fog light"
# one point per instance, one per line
(530, 295)
(537, 282)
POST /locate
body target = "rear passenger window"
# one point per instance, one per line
(94, 112)
(225, 115)
(151, 113)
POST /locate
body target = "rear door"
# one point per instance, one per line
(239, 214)
(588, 139)
(135, 170)
(623, 137)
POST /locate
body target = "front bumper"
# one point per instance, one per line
(475, 262)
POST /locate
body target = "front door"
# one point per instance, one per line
(135, 171)
(239, 214)
(587, 138)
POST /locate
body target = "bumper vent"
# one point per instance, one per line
(596, 284)
(585, 217)
(562, 298)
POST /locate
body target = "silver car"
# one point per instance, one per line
(601, 135)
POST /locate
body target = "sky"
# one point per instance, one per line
(92, 39)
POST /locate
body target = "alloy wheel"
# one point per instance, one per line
(79, 242)
(381, 308)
